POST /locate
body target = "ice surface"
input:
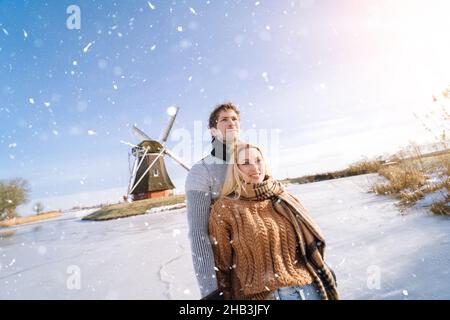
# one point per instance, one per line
(376, 252)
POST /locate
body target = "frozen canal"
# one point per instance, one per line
(376, 252)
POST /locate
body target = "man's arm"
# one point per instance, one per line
(198, 200)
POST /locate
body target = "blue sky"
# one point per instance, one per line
(336, 80)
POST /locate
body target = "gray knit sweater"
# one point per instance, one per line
(202, 188)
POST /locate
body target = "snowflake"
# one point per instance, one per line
(85, 49)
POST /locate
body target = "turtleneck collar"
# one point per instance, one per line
(220, 150)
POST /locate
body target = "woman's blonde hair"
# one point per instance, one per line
(234, 184)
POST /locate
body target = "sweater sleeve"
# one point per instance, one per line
(223, 259)
(198, 202)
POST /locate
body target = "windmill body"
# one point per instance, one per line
(156, 181)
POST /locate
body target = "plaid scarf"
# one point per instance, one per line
(311, 240)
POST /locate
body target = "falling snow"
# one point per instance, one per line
(83, 92)
(88, 46)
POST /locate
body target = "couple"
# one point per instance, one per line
(250, 238)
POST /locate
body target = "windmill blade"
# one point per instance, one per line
(140, 134)
(129, 144)
(174, 157)
(136, 167)
(173, 114)
(147, 170)
(132, 173)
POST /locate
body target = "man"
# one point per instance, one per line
(202, 188)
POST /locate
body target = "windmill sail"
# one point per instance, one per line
(175, 158)
(140, 134)
(173, 115)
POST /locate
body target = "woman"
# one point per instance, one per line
(265, 244)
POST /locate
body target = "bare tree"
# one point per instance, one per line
(13, 193)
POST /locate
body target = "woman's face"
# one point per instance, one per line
(252, 166)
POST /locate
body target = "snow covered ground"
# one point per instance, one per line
(376, 252)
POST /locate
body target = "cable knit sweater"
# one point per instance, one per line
(255, 249)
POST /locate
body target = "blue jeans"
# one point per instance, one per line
(307, 292)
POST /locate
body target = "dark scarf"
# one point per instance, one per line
(311, 240)
(220, 150)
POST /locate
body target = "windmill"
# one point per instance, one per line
(148, 175)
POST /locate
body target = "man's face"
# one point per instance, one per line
(228, 126)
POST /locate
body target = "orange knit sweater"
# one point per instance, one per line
(255, 249)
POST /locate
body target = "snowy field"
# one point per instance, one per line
(376, 252)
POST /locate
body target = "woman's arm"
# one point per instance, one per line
(220, 235)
